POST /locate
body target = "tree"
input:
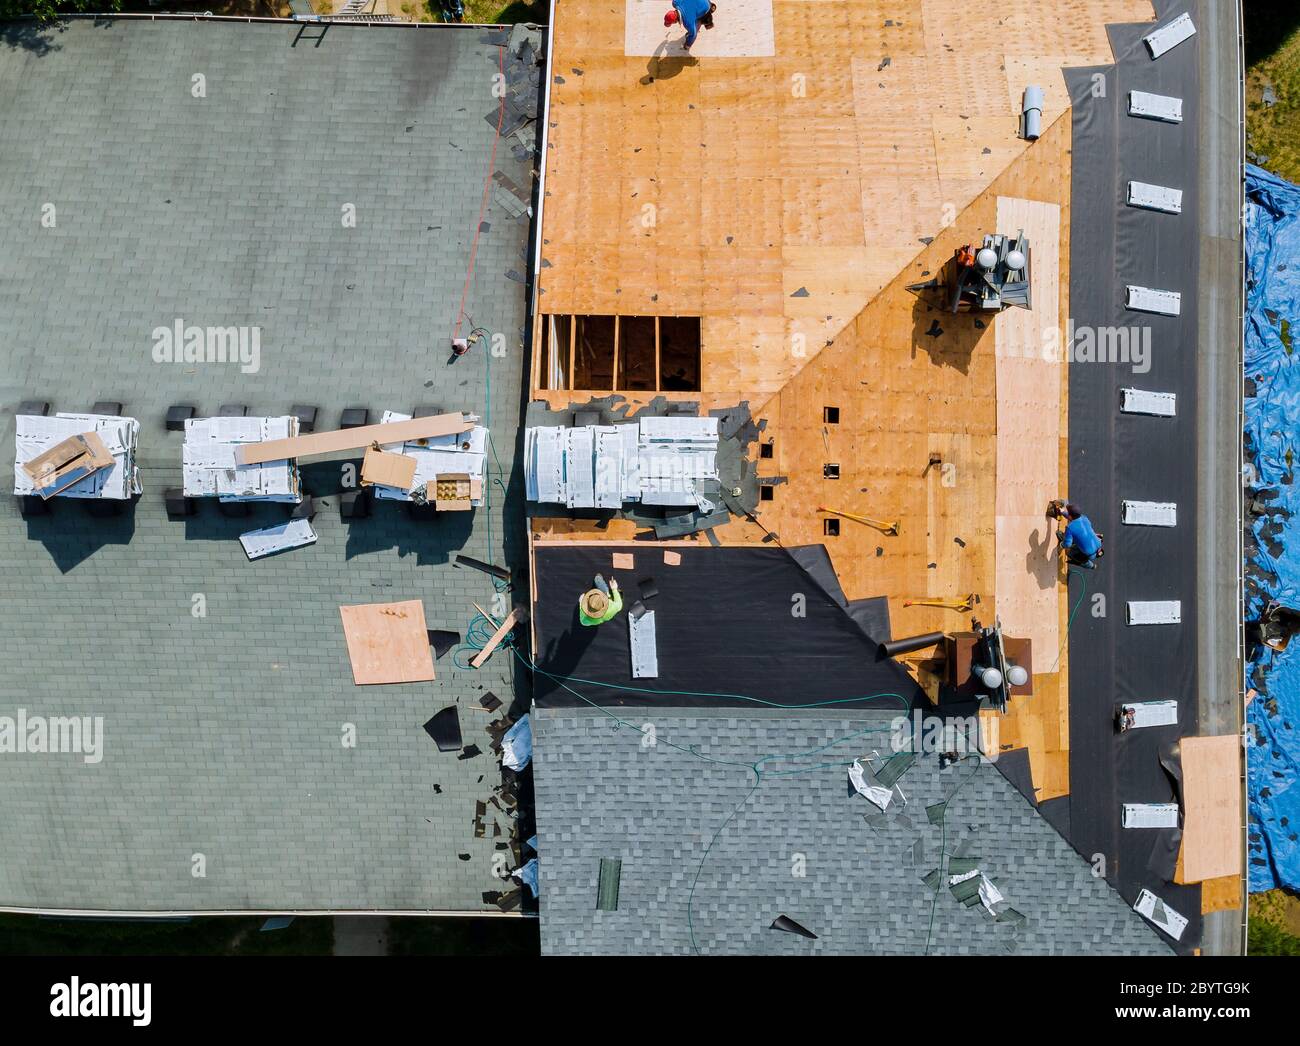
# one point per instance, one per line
(49, 10)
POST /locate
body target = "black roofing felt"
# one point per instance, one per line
(1115, 456)
(739, 621)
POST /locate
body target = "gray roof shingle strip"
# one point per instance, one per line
(222, 733)
(795, 845)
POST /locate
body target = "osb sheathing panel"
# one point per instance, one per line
(753, 165)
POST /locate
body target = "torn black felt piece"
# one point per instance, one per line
(487, 568)
(470, 752)
(788, 925)
(463, 857)
(480, 808)
(444, 728)
(490, 702)
(443, 640)
(648, 588)
(636, 610)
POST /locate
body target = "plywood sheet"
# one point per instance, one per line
(741, 29)
(1212, 814)
(1029, 433)
(387, 642)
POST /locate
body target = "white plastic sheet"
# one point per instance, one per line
(880, 796)
(517, 745)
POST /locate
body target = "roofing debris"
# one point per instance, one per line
(527, 875)
(76, 456)
(788, 925)
(517, 744)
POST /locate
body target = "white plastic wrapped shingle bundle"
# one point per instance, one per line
(208, 460)
(657, 461)
(35, 434)
(462, 453)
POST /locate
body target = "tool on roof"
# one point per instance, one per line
(964, 605)
(990, 279)
(883, 527)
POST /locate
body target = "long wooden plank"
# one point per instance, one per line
(1028, 435)
(351, 439)
(495, 641)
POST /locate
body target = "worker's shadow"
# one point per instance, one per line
(560, 657)
(1042, 562)
(664, 66)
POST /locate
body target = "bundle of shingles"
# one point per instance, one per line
(653, 461)
(209, 468)
(76, 456)
(421, 470)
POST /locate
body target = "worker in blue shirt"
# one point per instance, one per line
(1080, 543)
(692, 14)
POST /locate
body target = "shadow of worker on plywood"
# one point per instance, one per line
(664, 66)
(1041, 561)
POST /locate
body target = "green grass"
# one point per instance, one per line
(494, 11)
(1268, 939)
(1273, 61)
(216, 935)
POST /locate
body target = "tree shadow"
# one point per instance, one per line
(34, 37)
(1267, 27)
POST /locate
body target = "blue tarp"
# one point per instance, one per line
(1272, 417)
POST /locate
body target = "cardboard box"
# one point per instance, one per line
(389, 470)
(67, 463)
(454, 491)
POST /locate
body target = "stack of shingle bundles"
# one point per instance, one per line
(657, 461)
(462, 453)
(210, 470)
(120, 481)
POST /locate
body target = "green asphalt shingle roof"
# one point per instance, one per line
(222, 732)
(709, 861)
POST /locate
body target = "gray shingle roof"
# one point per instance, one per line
(707, 855)
(222, 733)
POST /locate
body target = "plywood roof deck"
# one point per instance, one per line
(775, 196)
(794, 198)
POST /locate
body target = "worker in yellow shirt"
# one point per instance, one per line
(601, 603)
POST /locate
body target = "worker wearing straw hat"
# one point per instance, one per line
(601, 603)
